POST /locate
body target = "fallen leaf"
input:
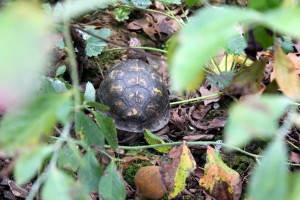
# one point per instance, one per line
(219, 180)
(294, 157)
(198, 137)
(175, 168)
(153, 139)
(179, 117)
(204, 92)
(200, 112)
(249, 80)
(286, 75)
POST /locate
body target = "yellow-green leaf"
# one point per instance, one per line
(153, 139)
(175, 168)
(219, 180)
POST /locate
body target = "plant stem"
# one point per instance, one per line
(196, 99)
(173, 16)
(73, 64)
(202, 143)
(146, 48)
(159, 12)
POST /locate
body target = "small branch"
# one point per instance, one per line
(197, 99)
(120, 46)
(73, 65)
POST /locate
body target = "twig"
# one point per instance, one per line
(196, 99)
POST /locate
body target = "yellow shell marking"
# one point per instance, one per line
(116, 88)
(114, 73)
(157, 91)
(136, 68)
(132, 112)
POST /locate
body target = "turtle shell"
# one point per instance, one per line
(137, 96)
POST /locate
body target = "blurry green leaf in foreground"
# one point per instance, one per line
(29, 163)
(255, 117)
(69, 157)
(294, 186)
(61, 186)
(201, 39)
(269, 179)
(153, 139)
(27, 124)
(111, 184)
(90, 172)
(24, 51)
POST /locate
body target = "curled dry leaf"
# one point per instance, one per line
(149, 183)
(219, 180)
(175, 168)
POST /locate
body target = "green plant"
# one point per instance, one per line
(258, 117)
(52, 106)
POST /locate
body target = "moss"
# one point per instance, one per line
(132, 169)
(239, 162)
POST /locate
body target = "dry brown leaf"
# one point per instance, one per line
(294, 157)
(204, 92)
(198, 137)
(286, 75)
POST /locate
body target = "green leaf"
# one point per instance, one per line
(289, 16)
(89, 172)
(269, 179)
(255, 117)
(138, 3)
(286, 44)
(221, 80)
(61, 70)
(28, 124)
(94, 46)
(262, 36)
(30, 162)
(171, 1)
(111, 184)
(75, 8)
(236, 45)
(24, 51)
(90, 92)
(264, 5)
(88, 129)
(96, 105)
(122, 13)
(153, 139)
(294, 186)
(201, 39)
(191, 3)
(58, 85)
(108, 129)
(58, 184)
(69, 157)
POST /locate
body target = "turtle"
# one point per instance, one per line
(136, 95)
